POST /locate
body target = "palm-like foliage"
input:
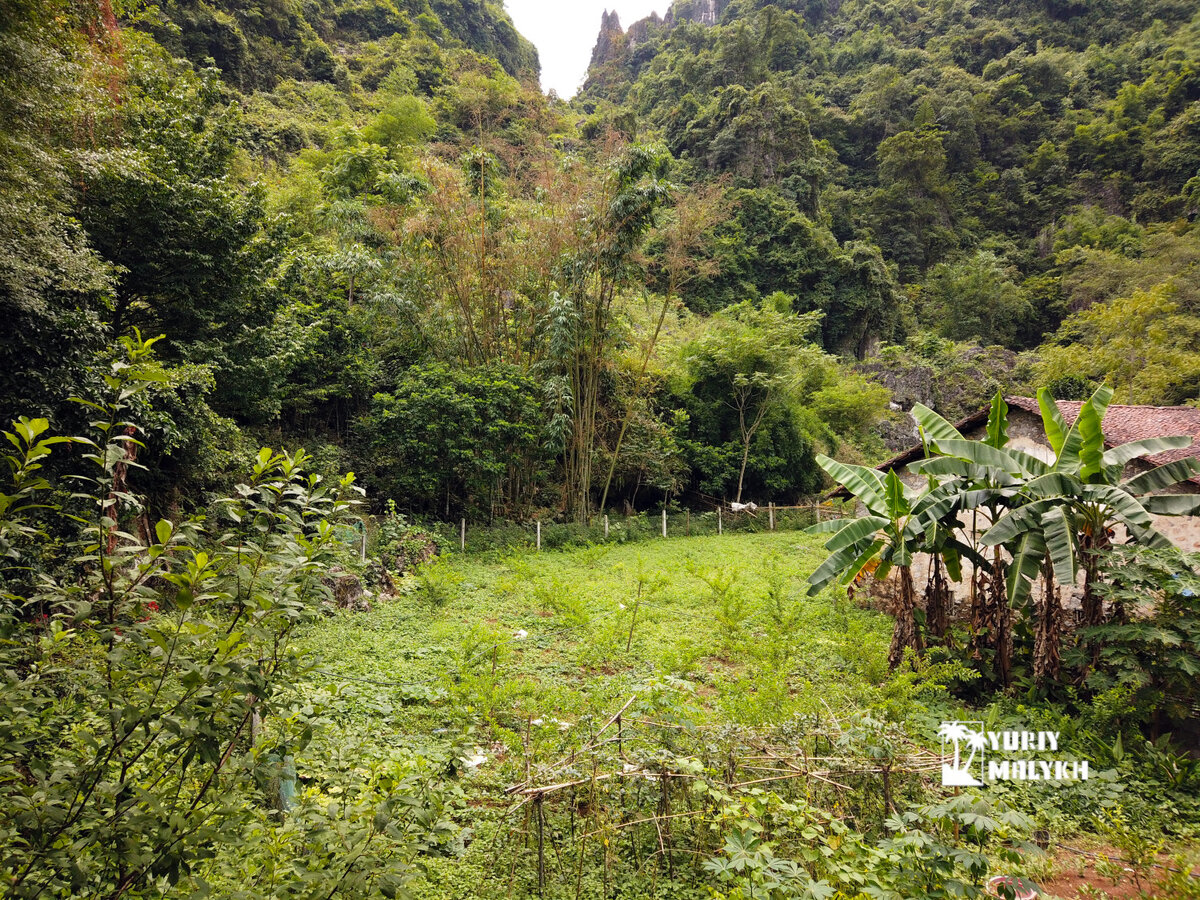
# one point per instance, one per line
(1087, 484)
(899, 522)
(977, 487)
(1043, 518)
(1058, 514)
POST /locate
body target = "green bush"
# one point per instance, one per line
(148, 717)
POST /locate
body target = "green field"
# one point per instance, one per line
(505, 672)
(706, 617)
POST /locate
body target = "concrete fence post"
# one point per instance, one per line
(664, 521)
(539, 535)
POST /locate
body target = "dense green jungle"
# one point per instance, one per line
(418, 484)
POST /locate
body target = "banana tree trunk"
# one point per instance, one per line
(1047, 639)
(937, 599)
(1095, 540)
(991, 620)
(906, 633)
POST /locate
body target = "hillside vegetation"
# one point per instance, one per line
(1013, 163)
(357, 232)
(362, 228)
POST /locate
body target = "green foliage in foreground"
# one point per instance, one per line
(148, 716)
(624, 720)
(718, 663)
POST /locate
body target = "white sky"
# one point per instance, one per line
(564, 32)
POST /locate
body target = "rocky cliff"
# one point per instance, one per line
(613, 58)
(610, 43)
(703, 12)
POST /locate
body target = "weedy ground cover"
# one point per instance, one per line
(668, 718)
(560, 633)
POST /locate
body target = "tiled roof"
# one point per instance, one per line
(1134, 423)
(1121, 425)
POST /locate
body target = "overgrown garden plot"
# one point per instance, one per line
(669, 717)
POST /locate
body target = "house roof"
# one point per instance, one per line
(1134, 423)
(1121, 425)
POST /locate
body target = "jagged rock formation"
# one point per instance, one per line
(703, 12)
(641, 30)
(610, 43)
(613, 58)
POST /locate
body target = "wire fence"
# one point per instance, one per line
(539, 535)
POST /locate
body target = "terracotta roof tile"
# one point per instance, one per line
(1121, 425)
(1134, 423)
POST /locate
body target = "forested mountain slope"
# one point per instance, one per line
(257, 44)
(992, 152)
(359, 226)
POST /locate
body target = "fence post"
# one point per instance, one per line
(539, 535)
(664, 521)
(462, 540)
(718, 520)
(687, 521)
(364, 540)
(771, 514)
(606, 526)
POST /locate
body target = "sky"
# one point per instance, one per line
(564, 32)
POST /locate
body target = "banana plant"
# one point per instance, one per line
(981, 482)
(1061, 512)
(1084, 496)
(1075, 510)
(897, 525)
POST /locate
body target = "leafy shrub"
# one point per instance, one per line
(444, 433)
(148, 709)
(1151, 644)
(437, 582)
(401, 546)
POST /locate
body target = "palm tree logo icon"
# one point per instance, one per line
(956, 772)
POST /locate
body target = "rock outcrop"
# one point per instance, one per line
(611, 56)
(610, 44)
(702, 12)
